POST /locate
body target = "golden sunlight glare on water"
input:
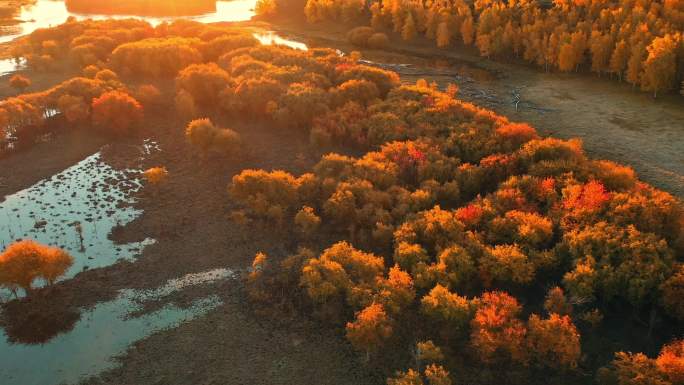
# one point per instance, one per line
(47, 13)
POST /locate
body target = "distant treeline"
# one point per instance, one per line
(143, 7)
(638, 41)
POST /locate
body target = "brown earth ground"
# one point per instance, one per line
(188, 216)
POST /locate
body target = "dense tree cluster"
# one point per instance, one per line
(453, 209)
(632, 369)
(79, 100)
(639, 41)
(157, 8)
(107, 51)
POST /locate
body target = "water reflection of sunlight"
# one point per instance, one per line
(47, 13)
(270, 38)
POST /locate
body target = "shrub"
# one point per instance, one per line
(204, 135)
(378, 40)
(156, 175)
(148, 95)
(25, 261)
(200, 133)
(360, 35)
(227, 142)
(204, 82)
(20, 83)
(358, 91)
(384, 80)
(116, 113)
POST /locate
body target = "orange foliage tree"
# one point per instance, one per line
(370, 329)
(19, 82)
(116, 113)
(497, 333)
(553, 342)
(25, 261)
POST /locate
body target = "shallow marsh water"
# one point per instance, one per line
(102, 333)
(76, 210)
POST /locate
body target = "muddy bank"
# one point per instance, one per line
(25, 168)
(614, 121)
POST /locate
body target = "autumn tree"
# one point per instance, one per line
(342, 274)
(74, 108)
(497, 333)
(600, 47)
(408, 32)
(452, 311)
(554, 341)
(307, 221)
(636, 369)
(619, 59)
(19, 82)
(156, 175)
(185, 105)
(468, 30)
(443, 35)
(410, 377)
(204, 135)
(117, 113)
(660, 65)
(567, 58)
(673, 293)
(556, 302)
(148, 95)
(609, 263)
(370, 329)
(670, 362)
(635, 64)
(428, 352)
(506, 263)
(25, 261)
(204, 82)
